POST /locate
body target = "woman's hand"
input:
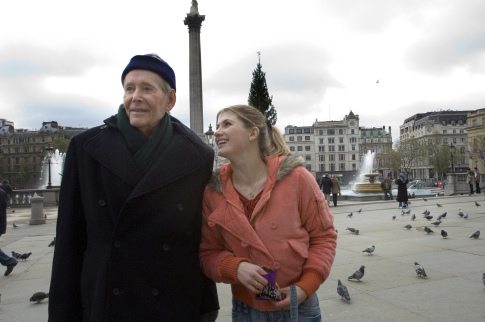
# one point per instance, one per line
(286, 295)
(250, 276)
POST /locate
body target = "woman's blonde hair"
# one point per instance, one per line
(271, 142)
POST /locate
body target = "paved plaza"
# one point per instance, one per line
(389, 291)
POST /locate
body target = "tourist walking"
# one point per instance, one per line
(335, 189)
(470, 179)
(402, 190)
(326, 186)
(477, 181)
(386, 186)
(265, 219)
(130, 212)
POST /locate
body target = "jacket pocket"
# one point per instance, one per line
(300, 249)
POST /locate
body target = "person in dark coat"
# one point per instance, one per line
(130, 212)
(326, 186)
(5, 186)
(402, 190)
(5, 260)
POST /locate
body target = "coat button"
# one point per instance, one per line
(102, 203)
(273, 225)
(180, 207)
(276, 265)
(155, 292)
(166, 247)
(116, 291)
(244, 244)
(117, 244)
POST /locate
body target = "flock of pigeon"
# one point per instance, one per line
(37, 297)
(359, 274)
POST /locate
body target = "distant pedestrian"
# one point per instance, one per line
(470, 179)
(5, 186)
(402, 190)
(477, 180)
(335, 189)
(5, 260)
(326, 186)
(386, 186)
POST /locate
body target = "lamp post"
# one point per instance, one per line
(210, 136)
(452, 147)
(49, 150)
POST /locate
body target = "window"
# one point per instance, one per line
(354, 167)
(307, 148)
(454, 140)
(299, 138)
(321, 141)
(341, 148)
(321, 157)
(307, 130)
(341, 166)
(320, 132)
(353, 157)
(340, 140)
(445, 132)
(26, 149)
(298, 131)
(331, 157)
(331, 140)
(332, 167)
(321, 148)
(300, 148)
(307, 138)
(445, 141)
(308, 157)
(322, 167)
(352, 131)
(353, 147)
(353, 140)
(340, 131)
(330, 132)
(292, 138)
(308, 167)
(331, 148)
(292, 131)
(292, 148)
(341, 157)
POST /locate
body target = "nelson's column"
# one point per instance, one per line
(194, 22)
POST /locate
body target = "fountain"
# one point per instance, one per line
(367, 180)
(57, 167)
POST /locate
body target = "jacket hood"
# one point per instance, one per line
(286, 165)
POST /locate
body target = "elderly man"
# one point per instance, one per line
(129, 220)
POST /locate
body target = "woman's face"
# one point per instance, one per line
(232, 137)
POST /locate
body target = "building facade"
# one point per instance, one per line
(475, 129)
(22, 151)
(379, 141)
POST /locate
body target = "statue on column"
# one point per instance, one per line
(194, 10)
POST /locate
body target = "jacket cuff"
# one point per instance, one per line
(228, 267)
(310, 281)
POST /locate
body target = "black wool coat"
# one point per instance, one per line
(402, 190)
(127, 245)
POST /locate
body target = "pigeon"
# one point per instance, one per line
(15, 255)
(356, 232)
(443, 215)
(53, 243)
(439, 218)
(413, 217)
(483, 278)
(428, 217)
(402, 212)
(24, 256)
(439, 205)
(425, 199)
(350, 215)
(408, 226)
(353, 230)
(15, 226)
(476, 234)
(465, 216)
(436, 223)
(425, 212)
(427, 230)
(444, 233)
(359, 211)
(477, 204)
(407, 212)
(460, 213)
(394, 217)
(419, 270)
(343, 292)
(358, 274)
(369, 250)
(39, 297)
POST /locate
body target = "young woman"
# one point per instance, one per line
(265, 209)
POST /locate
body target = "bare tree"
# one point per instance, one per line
(409, 152)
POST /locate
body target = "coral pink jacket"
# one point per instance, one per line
(291, 229)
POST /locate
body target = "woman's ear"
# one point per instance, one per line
(254, 134)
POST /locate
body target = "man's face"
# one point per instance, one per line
(144, 100)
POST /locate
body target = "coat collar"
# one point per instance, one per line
(111, 151)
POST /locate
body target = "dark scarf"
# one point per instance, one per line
(145, 151)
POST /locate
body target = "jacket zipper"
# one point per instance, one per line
(318, 213)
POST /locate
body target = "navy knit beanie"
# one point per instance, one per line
(152, 63)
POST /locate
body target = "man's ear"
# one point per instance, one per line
(172, 98)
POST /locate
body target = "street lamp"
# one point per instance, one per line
(452, 147)
(210, 136)
(49, 150)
